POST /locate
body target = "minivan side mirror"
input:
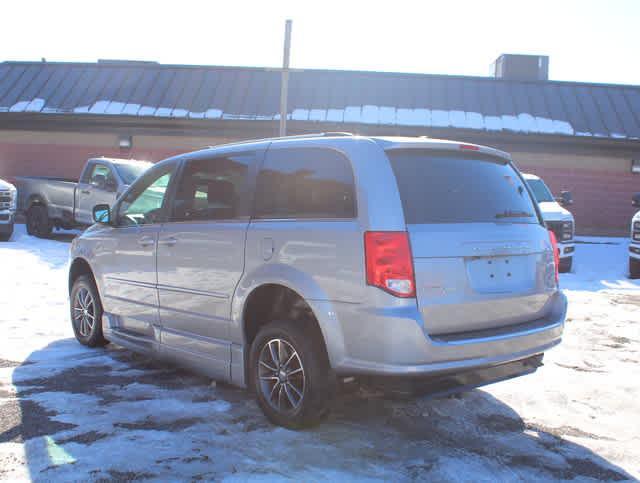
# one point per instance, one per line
(565, 198)
(635, 200)
(102, 214)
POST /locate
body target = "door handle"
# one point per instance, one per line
(169, 241)
(85, 192)
(145, 241)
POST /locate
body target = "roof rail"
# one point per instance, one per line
(295, 136)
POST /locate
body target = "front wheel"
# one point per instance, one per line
(634, 268)
(565, 264)
(290, 375)
(86, 312)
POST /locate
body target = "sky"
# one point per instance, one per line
(587, 40)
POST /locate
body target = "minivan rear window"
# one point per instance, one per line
(440, 187)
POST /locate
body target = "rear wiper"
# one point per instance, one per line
(514, 214)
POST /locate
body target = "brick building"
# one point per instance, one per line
(577, 136)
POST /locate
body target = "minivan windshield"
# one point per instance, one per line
(443, 187)
(540, 190)
(129, 172)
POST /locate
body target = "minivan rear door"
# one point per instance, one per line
(482, 256)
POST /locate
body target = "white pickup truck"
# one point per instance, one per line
(557, 218)
(634, 244)
(50, 203)
(7, 209)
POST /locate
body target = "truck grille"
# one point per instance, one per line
(563, 230)
(5, 200)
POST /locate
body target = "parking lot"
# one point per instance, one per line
(71, 413)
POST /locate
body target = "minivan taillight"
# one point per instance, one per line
(389, 263)
(556, 254)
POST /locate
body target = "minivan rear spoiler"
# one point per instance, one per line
(439, 144)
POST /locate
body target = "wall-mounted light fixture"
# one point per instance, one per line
(635, 166)
(125, 142)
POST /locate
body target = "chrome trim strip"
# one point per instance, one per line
(199, 315)
(131, 282)
(171, 288)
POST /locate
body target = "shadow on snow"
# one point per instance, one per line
(111, 414)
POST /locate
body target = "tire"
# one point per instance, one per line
(634, 268)
(38, 222)
(6, 235)
(565, 264)
(84, 295)
(302, 400)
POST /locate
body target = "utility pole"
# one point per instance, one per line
(284, 84)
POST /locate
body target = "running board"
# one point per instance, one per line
(133, 341)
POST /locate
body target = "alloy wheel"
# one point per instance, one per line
(84, 310)
(281, 375)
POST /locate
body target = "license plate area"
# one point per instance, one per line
(501, 274)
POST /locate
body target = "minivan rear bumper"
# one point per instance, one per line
(438, 385)
(393, 342)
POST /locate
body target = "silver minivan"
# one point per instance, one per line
(289, 265)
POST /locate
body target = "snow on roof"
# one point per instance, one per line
(322, 96)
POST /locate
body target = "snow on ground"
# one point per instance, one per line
(71, 413)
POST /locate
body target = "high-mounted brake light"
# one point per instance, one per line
(469, 147)
(556, 254)
(389, 263)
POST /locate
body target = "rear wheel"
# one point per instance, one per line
(290, 375)
(634, 268)
(38, 222)
(86, 312)
(566, 264)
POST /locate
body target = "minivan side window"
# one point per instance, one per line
(213, 189)
(305, 183)
(143, 204)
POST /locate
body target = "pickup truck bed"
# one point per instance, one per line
(57, 193)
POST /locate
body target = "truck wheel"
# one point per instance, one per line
(289, 373)
(634, 268)
(86, 312)
(565, 264)
(6, 233)
(38, 223)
